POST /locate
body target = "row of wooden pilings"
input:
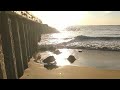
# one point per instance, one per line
(18, 39)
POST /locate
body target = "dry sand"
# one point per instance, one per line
(37, 71)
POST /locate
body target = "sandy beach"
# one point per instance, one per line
(38, 71)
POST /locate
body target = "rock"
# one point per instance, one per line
(43, 49)
(80, 51)
(51, 66)
(36, 61)
(71, 58)
(49, 59)
(38, 57)
(47, 48)
(52, 49)
(57, 52)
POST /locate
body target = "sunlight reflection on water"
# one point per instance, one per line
(61, 59)
(89, 58)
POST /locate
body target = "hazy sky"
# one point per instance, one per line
(62, 19)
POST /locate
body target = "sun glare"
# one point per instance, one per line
(62, 58)
(61, 19)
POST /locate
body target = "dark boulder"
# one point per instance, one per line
(51, 48)
(46, 48)
(49, 59)
(57, 52)
(80, 51)
(71, 58)
(51, 66)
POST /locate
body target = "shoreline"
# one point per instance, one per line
(73, 47)
(38, 71)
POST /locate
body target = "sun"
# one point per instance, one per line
(61, 19)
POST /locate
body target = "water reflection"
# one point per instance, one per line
(61, 59)
(86, 58)
(57, 38)
(54, 61)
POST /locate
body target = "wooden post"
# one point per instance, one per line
(32, 29)
(18, 42)
(17, 46)
(33, 32)
(25, 36)
(36, 41)
(2, 65)
(27, 40)
(31, 40)
(8, 46)
(23, 43)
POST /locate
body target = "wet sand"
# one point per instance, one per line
(37, 70)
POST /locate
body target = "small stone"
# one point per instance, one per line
(39, 57)
(80, 51)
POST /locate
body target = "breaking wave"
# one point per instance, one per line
(96, 38)
(87, 42)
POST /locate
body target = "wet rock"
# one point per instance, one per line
(57, 52)
(49, 59)
(80, 51)
(38, 57)
(46, 48)
(71, 58)
(52, 48)
(43, 49)
(36, 61)
(51, 66)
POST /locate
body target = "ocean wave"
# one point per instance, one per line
(100, 37)
(81, 37)
(82, 45)
(85, 42)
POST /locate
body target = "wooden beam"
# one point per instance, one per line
(8, 46)
(23, 42)
(17, 45)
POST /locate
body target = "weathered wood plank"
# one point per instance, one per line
(19, 38)
(17, 45)
(2, 65)
(23, 43)
(8, 47)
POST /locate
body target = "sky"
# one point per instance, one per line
(63, 19)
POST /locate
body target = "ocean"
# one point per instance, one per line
(100, 37)
(100, 46)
